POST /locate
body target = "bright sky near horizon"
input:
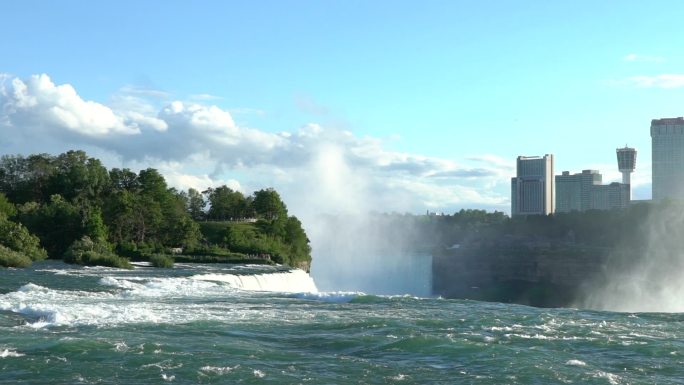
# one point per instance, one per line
(408, 106)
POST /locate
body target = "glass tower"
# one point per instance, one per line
(533, 188)
(667, 141)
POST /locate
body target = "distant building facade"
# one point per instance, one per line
(533, 188)
(609, 196)
(574, 192)
(584, 191)
(667, 151)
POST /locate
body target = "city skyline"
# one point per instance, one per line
(406, 108)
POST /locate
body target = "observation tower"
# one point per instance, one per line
(626, 158)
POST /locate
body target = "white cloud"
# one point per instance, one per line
(495, 161)
(39, 102)
(632, 57)
(657, 81)
(203, 97)
(145, 92)
(197, 145)
(177, 178)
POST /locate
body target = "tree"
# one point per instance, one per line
(94, 226)
(268, 205)
(196, 204)
(178, 228)
(57, 223)
(26, 179)
(297, 239)
(6, 207)
(86, 251)
(79, 178)
(16, 237)
(124, 179)
(226, 203)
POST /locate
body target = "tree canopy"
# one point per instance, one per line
(70, 206)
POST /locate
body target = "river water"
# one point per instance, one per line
(221, 324)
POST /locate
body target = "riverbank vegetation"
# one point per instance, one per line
(71, 207)
(479, 229)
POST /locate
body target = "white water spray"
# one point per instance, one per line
(649, 280)
(351, 250)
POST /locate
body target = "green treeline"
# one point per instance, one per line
(630, 228)
(71, 207)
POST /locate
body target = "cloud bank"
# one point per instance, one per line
(196, 144)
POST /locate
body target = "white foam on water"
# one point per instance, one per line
(499, 328)
(259, 373)
(55, 271)
(137, 299)
(613, 379)
(293, 281)
(330, 296)
(4, 353)
(120, 346)
(141, 264)
(161, 287)
(575, 363)
(219, 370)
(30, 287)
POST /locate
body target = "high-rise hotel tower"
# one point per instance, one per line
(667, 141)
(533, 189)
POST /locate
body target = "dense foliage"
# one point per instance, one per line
(86, 251)
(18, 247)
(629, 228)
(71, 206)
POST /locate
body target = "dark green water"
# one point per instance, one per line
(194, 325)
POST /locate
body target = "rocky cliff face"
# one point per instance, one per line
(537, 276)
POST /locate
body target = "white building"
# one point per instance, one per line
(667, 141)
(610, 196)
(582, 192)
(574, 192)
(533, 190)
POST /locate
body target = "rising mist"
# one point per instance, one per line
(645, 273)
(354, 250)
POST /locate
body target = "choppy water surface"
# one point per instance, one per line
(205, 324)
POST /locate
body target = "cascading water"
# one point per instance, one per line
(294, 281)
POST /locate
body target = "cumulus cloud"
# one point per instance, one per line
(37, 101)
(199, 145)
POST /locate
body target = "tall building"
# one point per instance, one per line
(582, 192)
(533, 190)
(573, 192)
(667, 141)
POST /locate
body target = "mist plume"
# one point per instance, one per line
(646, 272)
(354, 250)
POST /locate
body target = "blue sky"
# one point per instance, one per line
(419, 105)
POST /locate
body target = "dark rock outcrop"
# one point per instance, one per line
(537, 275)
